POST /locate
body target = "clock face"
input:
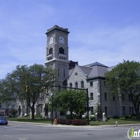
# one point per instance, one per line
(61, 39)
(51, 40)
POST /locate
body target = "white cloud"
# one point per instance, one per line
(107, 45)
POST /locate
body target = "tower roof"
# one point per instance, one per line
(56, 27)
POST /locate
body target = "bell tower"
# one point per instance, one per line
(57, 51)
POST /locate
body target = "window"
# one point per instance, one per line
(91, 84)
(50, 50)
(123, 97)
(76, 84)
(82, 84)
(106, 110)
(113, 97)
(129, 98)
(91, 96)
(92, 110)
(104, 83)
(76, 73)
(123, 110)
(130, 111)
(64, 73)
(70, 85)
(61, 50)
(105, 96)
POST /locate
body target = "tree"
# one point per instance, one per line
(25, 83)
(70, 100)
(6, 98)
(125, 78)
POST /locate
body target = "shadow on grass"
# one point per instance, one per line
(112, 121)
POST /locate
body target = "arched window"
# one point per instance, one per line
(105, 96)
(61, 50)
(82, 84)
(76, 84)
(50, 50)
(70, 85)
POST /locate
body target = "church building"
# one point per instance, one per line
(90, 76)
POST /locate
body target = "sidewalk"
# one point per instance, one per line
(75, 126)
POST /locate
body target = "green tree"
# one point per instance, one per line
(6, 98)
(70, 100)
(125, 78)
(25, 84)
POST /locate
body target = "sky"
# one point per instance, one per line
(105, 31)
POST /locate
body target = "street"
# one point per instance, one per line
(30, 131)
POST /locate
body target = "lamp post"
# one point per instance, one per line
(87, 106)
(52, 109)
(120, 105)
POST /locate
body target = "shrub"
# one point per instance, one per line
(92, 118)
(61, 121)
(107, 117)
(38, 116)
(128, 116)
(79, 122)
(74, 122)
(68, 122)
(115, 117)
(13, 113)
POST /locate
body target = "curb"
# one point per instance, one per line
(85, 126)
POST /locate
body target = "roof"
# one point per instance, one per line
(93, 70)
(86, 70)
(56, 27)
(97, 71)
(96, 64)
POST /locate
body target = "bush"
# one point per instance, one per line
(92, 118)
(115, 117)
(79, 122)
(68, 122)
(38, 116)
(107, 117)
(13, 113)
(61, 121)
(128, 116)
(74, 122)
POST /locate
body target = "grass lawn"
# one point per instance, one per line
(112, 121)
(27, 119)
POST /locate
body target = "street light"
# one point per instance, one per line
(52, 108)
(120, 100)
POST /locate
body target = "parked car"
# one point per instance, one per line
(3, 121)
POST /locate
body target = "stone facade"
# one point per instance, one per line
(93, 77)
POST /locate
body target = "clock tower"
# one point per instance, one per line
(57, 51)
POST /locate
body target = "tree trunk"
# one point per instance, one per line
(71, 114)
(136, 106)
(137, 112)
(33, 111)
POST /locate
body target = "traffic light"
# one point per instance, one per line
(27, 87)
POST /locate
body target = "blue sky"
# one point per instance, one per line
(107, 31)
